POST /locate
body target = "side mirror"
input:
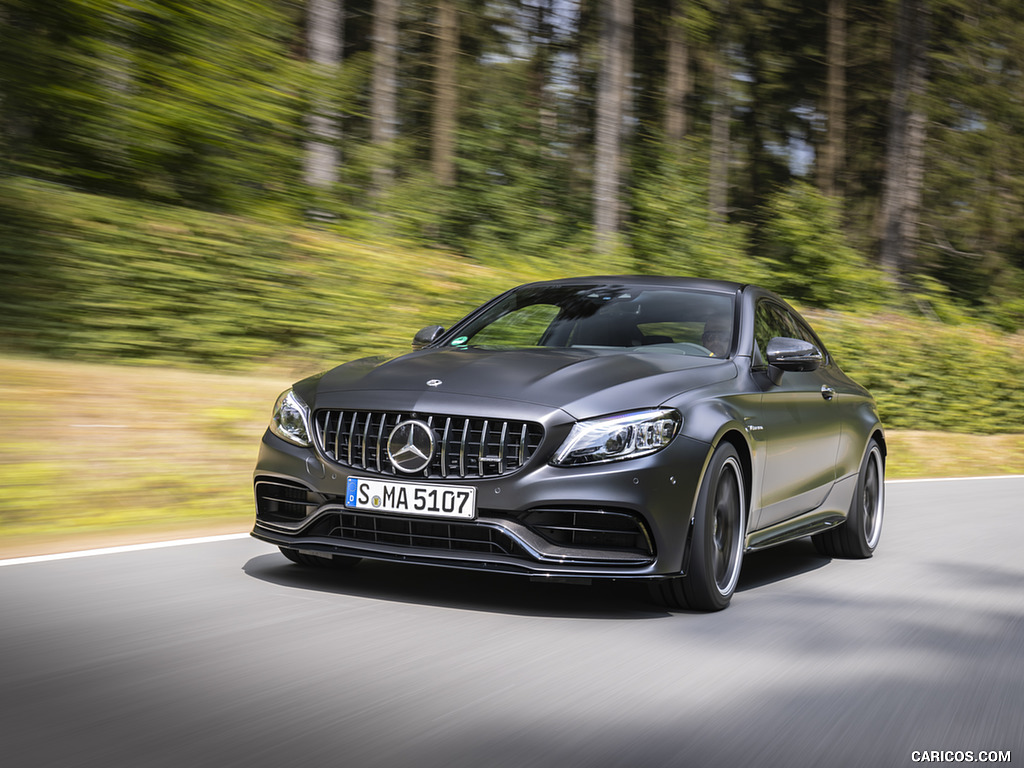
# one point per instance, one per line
(793, 354)
(427, 336)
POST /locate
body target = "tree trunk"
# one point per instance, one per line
(543, 49)
(904, 172)
(677, 80)
(718, 174)
(324, 41)
(831, 162)
(384, 108)
(612, 94)
(445, 94)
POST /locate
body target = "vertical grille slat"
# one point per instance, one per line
(482, 454)
(430, 471)
(444, 446)
(352, 437)
(462, 448)
(501, 447)
(378, 453)
(367, 435)
(465, 447)
(337, 433)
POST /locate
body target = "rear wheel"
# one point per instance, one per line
(859, 535)
(719, 529)
(337, 562)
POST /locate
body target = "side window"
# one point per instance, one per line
(770, 321)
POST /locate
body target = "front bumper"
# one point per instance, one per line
(629, 519)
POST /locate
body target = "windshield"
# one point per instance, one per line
(655, 319)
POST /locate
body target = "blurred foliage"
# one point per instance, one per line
(94, 278)
(206, 104)
(973, 238)
(196, 104)
(807, 254)
(927, 374)
(90, 278)
(674, 231)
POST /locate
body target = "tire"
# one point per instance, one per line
(858, 537)
(334, 562)
(719, 530)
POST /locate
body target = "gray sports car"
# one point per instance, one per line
(591, 428)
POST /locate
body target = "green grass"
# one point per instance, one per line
(97, 454)
(93, 455)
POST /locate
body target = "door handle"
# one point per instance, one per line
(827, 392)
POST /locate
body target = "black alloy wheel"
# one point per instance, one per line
(719, 529)
(858, 537)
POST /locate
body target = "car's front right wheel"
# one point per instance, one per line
(719, 529)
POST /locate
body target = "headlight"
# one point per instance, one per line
(613, 438)
(291, 419)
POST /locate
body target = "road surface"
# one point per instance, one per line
(223, 654)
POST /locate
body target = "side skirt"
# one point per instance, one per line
(830, 514)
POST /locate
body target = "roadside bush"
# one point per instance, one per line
(808, 255)
(927, 375)
(108, 280)
(673, 232)
(104, 279)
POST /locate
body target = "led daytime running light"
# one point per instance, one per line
(616, 438)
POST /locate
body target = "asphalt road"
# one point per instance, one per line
(222, 654)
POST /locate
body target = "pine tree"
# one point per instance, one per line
(904, 167)
(833, 151)
(445, 94)
(324, 40)
(384, 115)
(612, 98)
(677, 77)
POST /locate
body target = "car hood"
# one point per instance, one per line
(583, 382)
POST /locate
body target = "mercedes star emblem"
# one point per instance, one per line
(411, 446)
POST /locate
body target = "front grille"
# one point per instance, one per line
(415, 532)
(590, 528)
(464, 447)
(284, 501)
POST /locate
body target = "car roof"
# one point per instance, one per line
(717, 286)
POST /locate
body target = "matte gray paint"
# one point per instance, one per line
(803, 451)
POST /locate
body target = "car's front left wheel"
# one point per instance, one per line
(719, 530)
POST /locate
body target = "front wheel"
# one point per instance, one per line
(719, 529)
(859, 535)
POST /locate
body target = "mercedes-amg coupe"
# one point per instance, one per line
(592, 428)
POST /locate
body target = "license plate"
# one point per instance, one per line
(411, 498)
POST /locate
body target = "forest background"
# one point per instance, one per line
(276, 185)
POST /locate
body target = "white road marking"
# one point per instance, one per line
(125, 548)
(953, 479)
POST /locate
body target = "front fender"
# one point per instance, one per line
(713, 421)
